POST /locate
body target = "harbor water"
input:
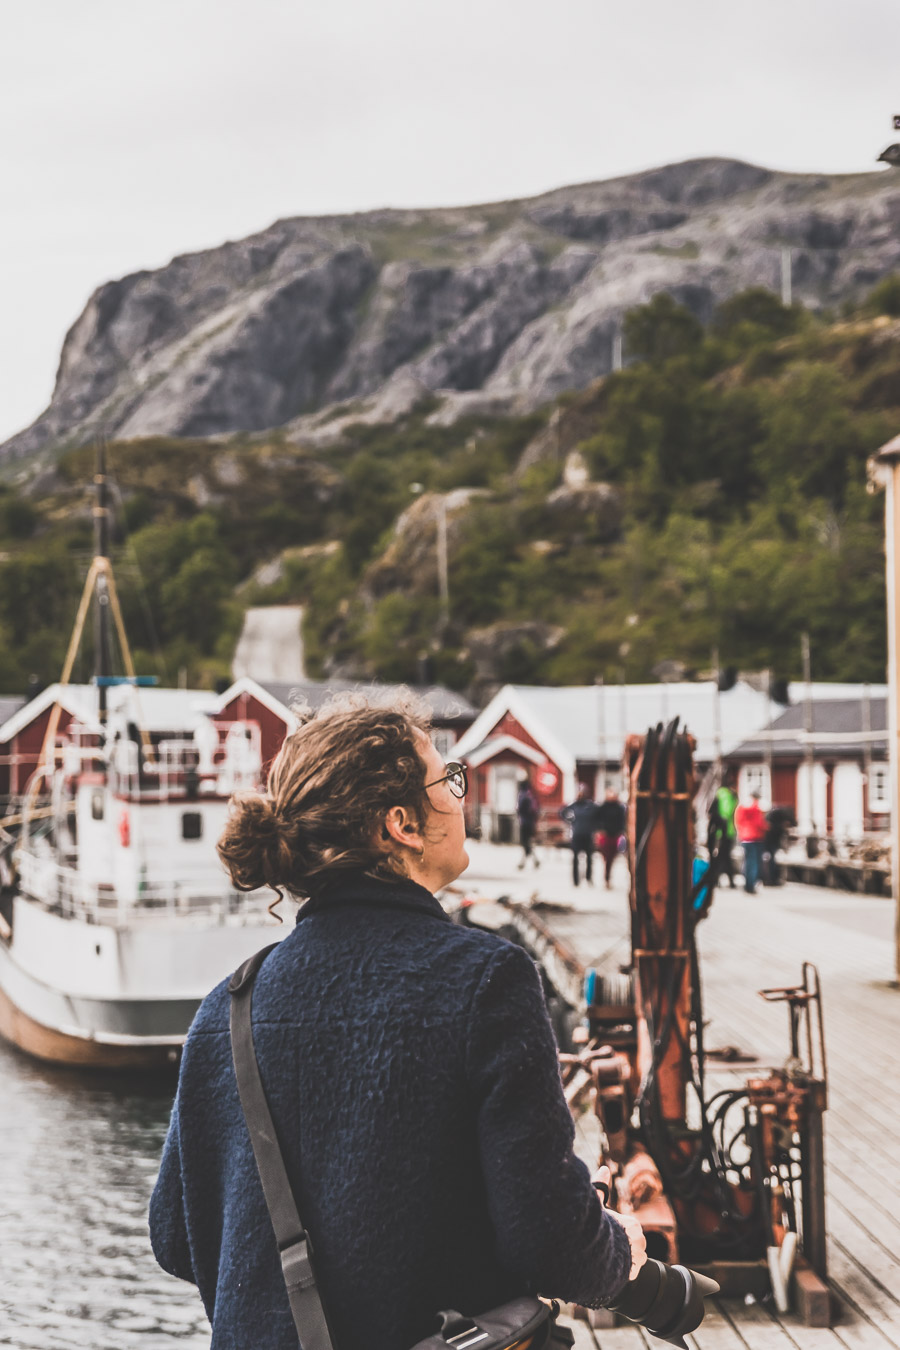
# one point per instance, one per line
(78, 1159)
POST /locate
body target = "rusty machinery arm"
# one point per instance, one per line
(712, 1179)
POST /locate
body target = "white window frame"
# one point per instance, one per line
(755, 778)
(879, 789)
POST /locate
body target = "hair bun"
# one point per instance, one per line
(329, 787)
(253, 846)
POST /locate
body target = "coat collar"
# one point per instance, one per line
(365, 890)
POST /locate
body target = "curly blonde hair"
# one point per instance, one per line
(329, 787)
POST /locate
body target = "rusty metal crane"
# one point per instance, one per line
(732, 1183)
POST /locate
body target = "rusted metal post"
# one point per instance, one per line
(660, 831)
(812, 1187)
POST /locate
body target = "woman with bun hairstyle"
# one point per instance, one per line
(408, 1062)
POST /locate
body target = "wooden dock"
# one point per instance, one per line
(746, 944)
(847, 874)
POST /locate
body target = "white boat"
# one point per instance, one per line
(122, 917)
(119, 917)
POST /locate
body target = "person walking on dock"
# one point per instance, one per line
(721, 832)
(409, 1065)
(527, 814)
(611, 827)
(750, 822)
(779, 819)
(581, 816)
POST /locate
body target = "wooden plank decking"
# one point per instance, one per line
(843, 874)
(747, 943)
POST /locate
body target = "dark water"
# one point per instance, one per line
(78, 1158)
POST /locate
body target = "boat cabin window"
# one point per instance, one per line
(97, 805)
(191, 825)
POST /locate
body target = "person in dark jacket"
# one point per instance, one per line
(581, 816)
(779, 820)
(527, 813)
(409, 1065)
(610, 823)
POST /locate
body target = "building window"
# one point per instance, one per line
(443, 741)
(879, 788)
(97, 805)
(191, 825)
(755, 778)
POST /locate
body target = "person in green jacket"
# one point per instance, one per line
(721, 832)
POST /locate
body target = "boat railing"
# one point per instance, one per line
(179, 767)
(66, 891)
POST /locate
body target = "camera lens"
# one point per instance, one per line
(667, 1300)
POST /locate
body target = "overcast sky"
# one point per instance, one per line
(132, 131)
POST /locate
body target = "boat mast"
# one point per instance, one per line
(101, 609)
(99, 579)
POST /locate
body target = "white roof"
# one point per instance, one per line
(591, 722)
(154, 709)
(247, 685)
(494, 746)
(158, 710)
(78, 699)
(824, 693)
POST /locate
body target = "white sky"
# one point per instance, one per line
(133, 130)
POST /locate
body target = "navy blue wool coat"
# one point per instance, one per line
(412, 1076)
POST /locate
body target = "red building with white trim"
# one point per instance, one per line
(167, 712)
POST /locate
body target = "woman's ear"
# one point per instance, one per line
(402, 828)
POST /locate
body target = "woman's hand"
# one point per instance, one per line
(635, 1234)
(633, 1231)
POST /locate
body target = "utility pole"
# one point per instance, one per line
(786, 277)
(443, 571)
(717, 716)
(807, 731)
(601, 732)
(867, 752)
(769, 753)
(617, 348)
(884, 472)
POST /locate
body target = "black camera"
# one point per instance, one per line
(667, 1300)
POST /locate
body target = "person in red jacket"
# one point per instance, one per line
(750, 822)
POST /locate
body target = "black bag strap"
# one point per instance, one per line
(294, 1246)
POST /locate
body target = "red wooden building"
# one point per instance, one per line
(24, 726)
(166, 712)
(827, 762)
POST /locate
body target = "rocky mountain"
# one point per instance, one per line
(318, 322)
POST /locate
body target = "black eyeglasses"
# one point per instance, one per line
(456, 779)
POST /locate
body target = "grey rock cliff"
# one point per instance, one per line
(315, 323)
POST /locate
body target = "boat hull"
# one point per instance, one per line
(58, 1047)
(98, 996)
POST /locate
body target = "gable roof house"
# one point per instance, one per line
(561, 737)
(162, 713)
(834, 776)
(451, 714)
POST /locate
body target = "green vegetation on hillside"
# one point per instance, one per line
(737, 517)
